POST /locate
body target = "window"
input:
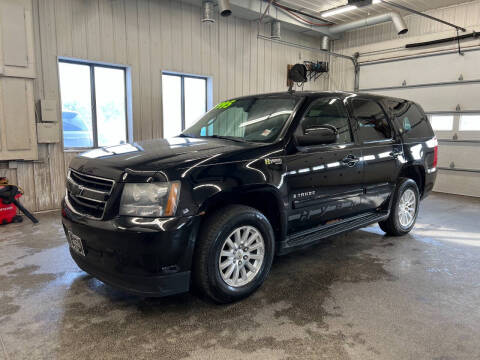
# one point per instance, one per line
(410, 119)
(372, 121)
(442, 122)
(256, 119)
(469, 123)
(328, 111)
(93, 104)
(184, 102)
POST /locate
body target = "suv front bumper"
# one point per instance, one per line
(148, 257)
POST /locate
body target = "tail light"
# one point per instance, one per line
(433, 143)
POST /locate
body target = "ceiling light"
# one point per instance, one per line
(338, 10)
(362, 3)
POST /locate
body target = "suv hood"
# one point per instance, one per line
(155, 155)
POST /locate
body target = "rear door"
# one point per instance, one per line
(324, 182)
(413, 125)
(382, 150)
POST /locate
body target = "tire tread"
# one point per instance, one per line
(212, 226)
(390, 225)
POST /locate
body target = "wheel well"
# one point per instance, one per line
(417, 174)
(263, 200)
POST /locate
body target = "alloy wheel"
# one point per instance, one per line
(407, 207)
(241, 256)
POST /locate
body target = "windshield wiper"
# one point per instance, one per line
(232, 138)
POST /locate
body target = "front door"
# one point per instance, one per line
(325, 181)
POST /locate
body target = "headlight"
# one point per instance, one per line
(150, 200)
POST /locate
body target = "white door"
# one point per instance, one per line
(447, 86)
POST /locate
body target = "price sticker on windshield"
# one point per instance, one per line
(225, 104)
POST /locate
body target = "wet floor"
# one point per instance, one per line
(357, 296)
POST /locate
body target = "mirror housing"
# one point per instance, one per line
(321, 135)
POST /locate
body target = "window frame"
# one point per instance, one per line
(357, 125)
(182, 77)
(92, 65)
(299, 130)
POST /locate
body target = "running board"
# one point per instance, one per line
(312, 236)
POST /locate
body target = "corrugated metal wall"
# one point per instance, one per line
(378, 38)
(150, 36)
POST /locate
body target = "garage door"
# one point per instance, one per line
(448, 88)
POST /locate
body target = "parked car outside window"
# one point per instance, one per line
(76, 132)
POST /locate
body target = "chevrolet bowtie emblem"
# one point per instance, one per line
(78, 190)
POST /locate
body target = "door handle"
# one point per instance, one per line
(350, 160)
(396, 154)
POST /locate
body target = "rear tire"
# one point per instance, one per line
(234, 254)
(404, 211)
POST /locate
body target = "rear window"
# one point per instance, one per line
(410, 120)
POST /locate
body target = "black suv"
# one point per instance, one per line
(255, 177)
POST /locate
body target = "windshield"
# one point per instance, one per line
(256, 119)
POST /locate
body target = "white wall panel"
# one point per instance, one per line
(17, 119)
(461, 155)
(440, 98)
(17, 57)
(17, 116)
(13, 22)
(426, 70)
(457, 182)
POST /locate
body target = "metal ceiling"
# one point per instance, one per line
(315, 7)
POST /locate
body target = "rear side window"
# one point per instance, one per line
(410, 119)
(371, 119)
(329, 111)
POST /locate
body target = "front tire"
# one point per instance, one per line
(234, 253)
(404, 211)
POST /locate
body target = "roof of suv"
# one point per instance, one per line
(341, 94)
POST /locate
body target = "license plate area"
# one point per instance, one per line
(75, 243)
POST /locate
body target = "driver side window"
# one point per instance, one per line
(328, 111)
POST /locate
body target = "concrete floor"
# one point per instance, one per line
(356, 296)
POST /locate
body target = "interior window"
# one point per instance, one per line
(77, 117)
(329, 111)
(372, 121)
(86, 87)
(442, 122)
(469, 123)
(184, 102)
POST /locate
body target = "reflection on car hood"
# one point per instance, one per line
(155, 155)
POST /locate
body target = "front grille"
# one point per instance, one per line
(88, 195)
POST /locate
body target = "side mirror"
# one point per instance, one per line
(321, 135)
